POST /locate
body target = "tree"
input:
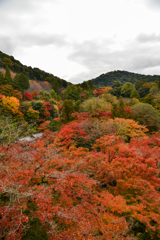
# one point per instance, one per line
(10, 105)
(158, 83)
(85, 85)
(135, 94)
(55, 85)
(95, 104)
(21, 82)
(67, 110)
(74, 94)
(2, 79)
(146, 115)
(138, 84)
(53, 94)
(117, 86)
(7, 77)
(8, 90)
(144, 90)
(127, 89)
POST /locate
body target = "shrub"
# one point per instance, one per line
(36, 105)
(146, 115)
(95, 104)
(32, 114)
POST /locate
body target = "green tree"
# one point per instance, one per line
(135, 94)
(7, 77)
(55, 85)
(7, 61)
(90, 84)
(117, 86)
(21, 82)
(85, 85)
(2, 80)
(67, 110)
(158, 83)
(53, 94)
(74, 94)
(146, 115)
(77, 105)
(138, 84)
(144, 90)
(127, 89)
(67, 91)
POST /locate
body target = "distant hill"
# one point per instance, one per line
(33, 73)
(107, 79)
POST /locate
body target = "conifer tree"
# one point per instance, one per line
(67, 110)
(2, 80)
(135, 94)
(7, 77)
(21, 82)
(53, 94)
(55, 85)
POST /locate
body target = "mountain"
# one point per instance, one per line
(107, 79)
(33, 73)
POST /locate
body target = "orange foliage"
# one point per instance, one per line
(10, 105)
(109, 190)
(8, 90)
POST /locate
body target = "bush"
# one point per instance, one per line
(109, 98)
(32, 114)
(95, 104)
(146, 115)
(36, 105)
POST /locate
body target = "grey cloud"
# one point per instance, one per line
(42, 39)
(145, 38)
(97, 59)
(154, 2)
(7, 44)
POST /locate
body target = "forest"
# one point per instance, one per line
(94, 174)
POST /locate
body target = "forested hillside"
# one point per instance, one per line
(94, 174)
(32, 73)
(107, 79)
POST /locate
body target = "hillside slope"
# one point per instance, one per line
(33, 73)
(107, 79)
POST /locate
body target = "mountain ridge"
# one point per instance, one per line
(107, 79)
(32, 73)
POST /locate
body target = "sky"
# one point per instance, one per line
(78, 40)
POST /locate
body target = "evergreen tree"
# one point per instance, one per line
(55, 85)
(158, 83)
(21, 82)
(67, 91)
(74, 94)
(85, 85)
(122, 112)
(135, 94)
(7, 77)
(67, 110)
(2, 80)
(77, 105)
(114, 110)
(53, 94)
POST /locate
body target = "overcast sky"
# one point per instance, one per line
(78, 40)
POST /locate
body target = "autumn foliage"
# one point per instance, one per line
(95, 179)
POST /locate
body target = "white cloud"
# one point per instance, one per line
(79, 40)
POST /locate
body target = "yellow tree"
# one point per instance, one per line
(10, 105)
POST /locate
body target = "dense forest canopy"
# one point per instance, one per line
(107, 79)
(94, 174)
